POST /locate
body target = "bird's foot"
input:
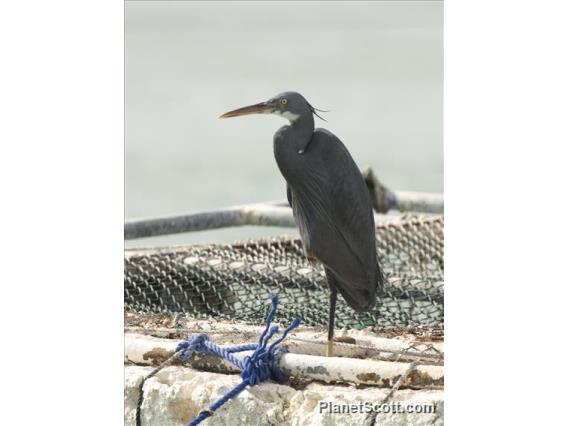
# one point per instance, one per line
(340, 339)
(329, 348)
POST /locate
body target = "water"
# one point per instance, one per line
(376, 65)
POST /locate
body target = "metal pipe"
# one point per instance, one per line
(146, 350)
(385, 200)
(424, 202)
(273, 214)
(251, 214)
(306, 342)
(278, 213)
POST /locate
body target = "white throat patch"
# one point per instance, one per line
(288, 115)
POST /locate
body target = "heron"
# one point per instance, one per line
(330, 202)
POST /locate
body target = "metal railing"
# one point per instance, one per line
(278, 213)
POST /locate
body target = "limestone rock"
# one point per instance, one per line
(177, 394)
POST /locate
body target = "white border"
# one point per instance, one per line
(505, 128)
(61, 169)
(61, 100)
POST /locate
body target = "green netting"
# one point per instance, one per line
(233, 281)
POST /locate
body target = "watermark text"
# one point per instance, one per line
(369, 407)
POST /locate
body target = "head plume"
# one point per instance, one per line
(315, 113)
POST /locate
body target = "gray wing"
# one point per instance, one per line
(335, 218)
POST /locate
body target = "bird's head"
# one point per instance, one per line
(290, 105)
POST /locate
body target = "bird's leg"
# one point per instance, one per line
(331, 323)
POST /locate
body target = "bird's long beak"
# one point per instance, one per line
(261, 108)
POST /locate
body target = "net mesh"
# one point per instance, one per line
(233, 281)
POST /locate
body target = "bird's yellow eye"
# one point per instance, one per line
(283, 101)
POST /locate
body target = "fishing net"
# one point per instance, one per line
(233, 281)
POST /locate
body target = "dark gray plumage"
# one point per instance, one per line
(330, 201)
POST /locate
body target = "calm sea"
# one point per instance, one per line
(376, 65)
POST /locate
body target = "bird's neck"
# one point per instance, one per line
(301, 131)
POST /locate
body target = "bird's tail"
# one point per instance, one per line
(361, 299)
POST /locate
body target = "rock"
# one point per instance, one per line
(177, 394)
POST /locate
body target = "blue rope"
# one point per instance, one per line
(259, 367)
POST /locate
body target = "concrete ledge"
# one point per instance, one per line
(177, 394)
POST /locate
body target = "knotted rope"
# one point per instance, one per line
(256, 368)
